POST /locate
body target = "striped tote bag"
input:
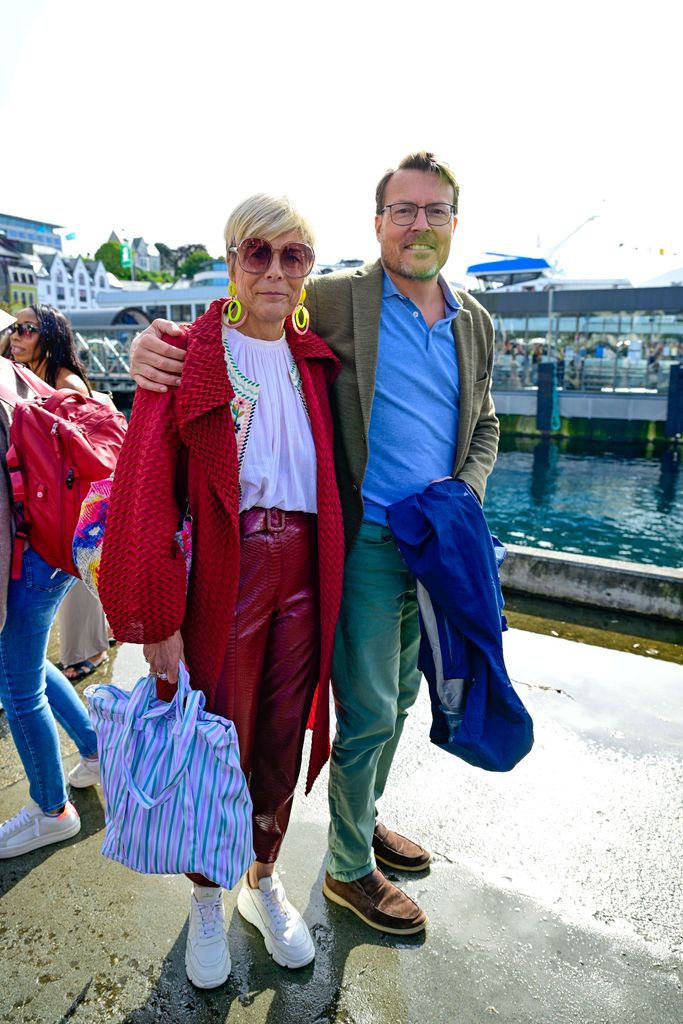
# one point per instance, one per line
(175, 797)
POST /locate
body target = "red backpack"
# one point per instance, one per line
(60, 442)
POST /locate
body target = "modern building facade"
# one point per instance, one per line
(30, 232)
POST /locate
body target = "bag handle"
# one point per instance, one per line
(11, 397)
(37, 385)
(138, 710)
(188, 704)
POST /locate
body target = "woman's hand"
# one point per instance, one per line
(165, 657)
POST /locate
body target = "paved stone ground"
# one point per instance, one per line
(555, 896)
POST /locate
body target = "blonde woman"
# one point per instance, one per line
(244, 447)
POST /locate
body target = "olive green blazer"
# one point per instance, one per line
(345, 311)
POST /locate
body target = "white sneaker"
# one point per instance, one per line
(30, 829)
(207, 956)
(287, 938)
(86, 773)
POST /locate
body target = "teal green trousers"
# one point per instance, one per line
(375, 680)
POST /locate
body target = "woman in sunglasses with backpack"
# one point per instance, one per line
(43, 341)
(35, 695)
(244, 447)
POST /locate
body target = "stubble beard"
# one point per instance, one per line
(428, 274)
(411, 273)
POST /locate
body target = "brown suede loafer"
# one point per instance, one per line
(377, 902)
(395, 851)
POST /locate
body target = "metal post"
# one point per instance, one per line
(674, 414)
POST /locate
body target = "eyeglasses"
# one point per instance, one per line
(437, 214)
(255, 255)
(23, 330)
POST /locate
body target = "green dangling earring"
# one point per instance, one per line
(232, 310)
(301, 317)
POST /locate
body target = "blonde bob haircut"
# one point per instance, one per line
(266, 217)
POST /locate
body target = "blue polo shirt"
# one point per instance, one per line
(414, 422)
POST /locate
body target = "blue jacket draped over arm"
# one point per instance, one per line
(445, 541)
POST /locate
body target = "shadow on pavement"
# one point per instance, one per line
(88, 803)
(315, 994)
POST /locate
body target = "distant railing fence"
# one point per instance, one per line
(107, 357)
(107, 361)
(585, 373)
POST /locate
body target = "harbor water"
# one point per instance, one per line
(622, 502)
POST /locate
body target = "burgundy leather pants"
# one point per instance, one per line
(272, 662)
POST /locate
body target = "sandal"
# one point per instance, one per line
(74, 673)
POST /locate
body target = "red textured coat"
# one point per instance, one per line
(142, 572)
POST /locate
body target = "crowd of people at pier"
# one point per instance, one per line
(278, 428)
(580, 367)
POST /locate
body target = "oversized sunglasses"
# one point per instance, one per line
(23, 330)
(255, 255)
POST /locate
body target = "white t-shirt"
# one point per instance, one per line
(279, 466)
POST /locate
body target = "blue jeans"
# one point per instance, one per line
(34, 693)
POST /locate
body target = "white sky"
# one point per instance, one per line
(155, 117)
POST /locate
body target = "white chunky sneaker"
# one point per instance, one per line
(31, 828)
(86, 773)
(207, 956)
(284, 930)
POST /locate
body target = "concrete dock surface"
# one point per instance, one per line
(555, 895)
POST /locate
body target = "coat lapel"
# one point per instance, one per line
(366, 295)
(205, 379)
(307, 346)
(464, 348)
(206, 424)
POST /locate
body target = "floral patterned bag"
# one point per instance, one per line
(89, 535)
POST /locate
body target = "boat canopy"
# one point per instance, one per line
(509, 265)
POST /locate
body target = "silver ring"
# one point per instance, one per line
(161, 675)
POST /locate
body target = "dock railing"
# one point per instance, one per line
(586, 373)
(107, 357)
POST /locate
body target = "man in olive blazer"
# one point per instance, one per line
(370, 317)
(375, 675)
(345, 310)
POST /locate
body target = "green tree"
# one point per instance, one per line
(167, 257)
(153, 275)
(110, 254)
(194, 262)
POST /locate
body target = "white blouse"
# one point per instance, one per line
(279, 465)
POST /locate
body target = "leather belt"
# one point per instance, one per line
(270, 520)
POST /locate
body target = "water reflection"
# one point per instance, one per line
(670, 461)
(621, 501)
(543, 472)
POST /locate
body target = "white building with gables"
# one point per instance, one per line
(70, 283)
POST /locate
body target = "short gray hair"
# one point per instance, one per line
(263, 216)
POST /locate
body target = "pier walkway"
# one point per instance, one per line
(555, 895)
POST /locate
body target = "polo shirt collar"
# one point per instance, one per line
(389, 289)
